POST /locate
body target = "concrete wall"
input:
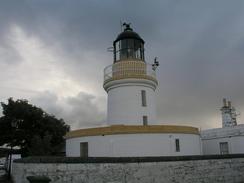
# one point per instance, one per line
(132, 145)
(125, 103)
(186, 171)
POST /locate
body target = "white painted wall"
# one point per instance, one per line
(129, 145)
(236, 145)
(125, 104)
(233, 135)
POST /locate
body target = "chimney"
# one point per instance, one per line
(229, 104)
(224, 102)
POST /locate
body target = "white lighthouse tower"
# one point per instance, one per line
(130, 82)
(132, 129)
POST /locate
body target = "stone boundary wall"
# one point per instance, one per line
(182, 169)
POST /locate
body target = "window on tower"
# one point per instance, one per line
(143, 98)
(145, 120)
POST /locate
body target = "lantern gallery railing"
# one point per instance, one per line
(129, 69)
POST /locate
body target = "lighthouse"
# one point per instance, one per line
(132, 129)
(130, 82)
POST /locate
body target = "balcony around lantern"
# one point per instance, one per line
(129, 69)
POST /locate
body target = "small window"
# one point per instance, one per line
(224, 149)
(84, 149)
(177, 145)
(145, 120)
(143, 98)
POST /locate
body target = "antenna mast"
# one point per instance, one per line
(121, 25)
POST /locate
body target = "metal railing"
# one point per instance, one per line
(129, 69)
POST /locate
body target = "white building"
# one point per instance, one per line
(133, 129)
(226, 140)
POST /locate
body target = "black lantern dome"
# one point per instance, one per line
(128, 45)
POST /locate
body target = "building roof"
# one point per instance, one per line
(231, 131)
(131, 129)
(128, 33)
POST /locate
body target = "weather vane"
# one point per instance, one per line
(155, 64)
(126, 25)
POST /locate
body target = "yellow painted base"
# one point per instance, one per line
(131, 129)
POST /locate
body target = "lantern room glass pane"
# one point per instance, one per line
(130, 43)
(129, 49)
(117, 55)
(138, 54)
(137, 44)
(142, 54)
(131, 53)
(123, 54)
(123, 44)
(117, 46)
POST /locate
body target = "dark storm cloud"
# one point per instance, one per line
(204, 65)
(199, 44)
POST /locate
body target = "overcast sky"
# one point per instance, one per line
(53, 52)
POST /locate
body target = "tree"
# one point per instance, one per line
(29, 127)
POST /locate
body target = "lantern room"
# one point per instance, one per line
(128, 45)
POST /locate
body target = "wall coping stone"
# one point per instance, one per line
(73, 160)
